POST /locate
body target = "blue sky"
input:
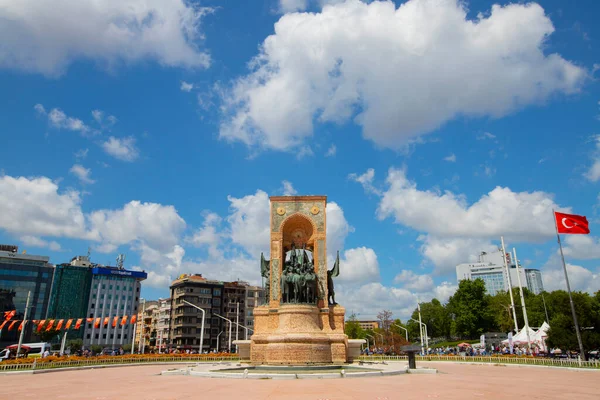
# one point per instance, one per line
(158, 129)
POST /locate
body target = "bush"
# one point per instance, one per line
(96, 349)
(126, 348)
(75, 345)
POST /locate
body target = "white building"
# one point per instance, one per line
(114, 292)
(490, 268)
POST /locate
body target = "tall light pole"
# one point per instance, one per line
(24, 322)
(382, 338)
(526, 320)
(421, 328)
(218, 348)
(231, 322)
(237, 321)
(405, 330)
(374, 342)
(202, 328)
(512, 300)
(142, 332)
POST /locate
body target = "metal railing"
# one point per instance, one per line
(115, 360)
(551, 362)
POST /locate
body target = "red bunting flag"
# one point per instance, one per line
(115, 319)
(89, 319)
(2, 325)
(97, 323)
(133, 319)
(59, 325)
(124, 320)
(68, 325)
(106, 321)
(12, 324)
(571, 224)
(9, 314)
(78, 323)
(41, 325)
(50, 323)
(21, 326)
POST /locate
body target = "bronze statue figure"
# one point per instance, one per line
(265, 272)
(333, 273)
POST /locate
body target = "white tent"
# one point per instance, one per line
(521, 337)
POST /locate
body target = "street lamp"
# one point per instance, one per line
(421, 327)
(382, 338)
(231, 322)
(202, 329)
(405, 330)
(374, 341)
(218, 348)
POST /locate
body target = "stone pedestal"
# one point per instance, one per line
(243, 347)
(299, 334)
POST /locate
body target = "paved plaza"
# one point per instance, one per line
(454, 381)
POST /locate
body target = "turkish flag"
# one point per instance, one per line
(571, 223)
(78, 323)
(9, 314)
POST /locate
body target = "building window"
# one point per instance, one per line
(96, 336)
(112, 335)
(103, 286)
(93, 305)
(104, 336)
(88, 336)
(110, 287)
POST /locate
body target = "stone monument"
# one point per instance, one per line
(301, 324)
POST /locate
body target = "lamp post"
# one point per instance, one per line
(142, 332)
(202, 329)
(218, 348)
(231, 322)
(422, 327)
(382, 338)
(374, 341)
(405, 330)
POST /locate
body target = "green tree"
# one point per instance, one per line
(47, 336)
(75, 345)
(353, 329)
(469, 309)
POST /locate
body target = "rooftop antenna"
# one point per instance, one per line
(120, 260)
(89, 252)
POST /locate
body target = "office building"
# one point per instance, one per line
(255, 296)
(21, 274)
(114, 292)
(490, 268)
(143, 331)
(368, 325)
(160, 321)
(71, 291)
(186, 320)
(234, 306)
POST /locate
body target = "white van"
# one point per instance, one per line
(35, 349)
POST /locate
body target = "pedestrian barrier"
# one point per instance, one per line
(115, 360)
(552, 362)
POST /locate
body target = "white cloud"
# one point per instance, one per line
(412, 281)
(156, 225)
(288, 189)
(100, 118)
(450, 158)
(81, 154)
(122, 149)
(286, 6)
(446, 253)
(331, 151)
(580, 278)
(35, 241)
(358, 265)
(249, 222)
(593, 173)
(59, 120)
(319, 67)
(186, 87)
(35, 207)
(366, 180)
(338, 228)
(369, 299)
(582, 247)
(82, 173)
(208, 235)
(47, 36)
(486, 135)
(523, 215)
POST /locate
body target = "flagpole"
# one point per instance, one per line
(525, 319)
(24, 324)
(562, 256)
(512, 300)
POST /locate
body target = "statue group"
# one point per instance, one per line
(299, 282)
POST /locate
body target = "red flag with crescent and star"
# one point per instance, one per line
(571, 224)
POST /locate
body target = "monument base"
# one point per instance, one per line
(299, 334)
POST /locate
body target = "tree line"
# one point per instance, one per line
(471, 312)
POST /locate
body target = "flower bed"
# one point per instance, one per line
(123, 358)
